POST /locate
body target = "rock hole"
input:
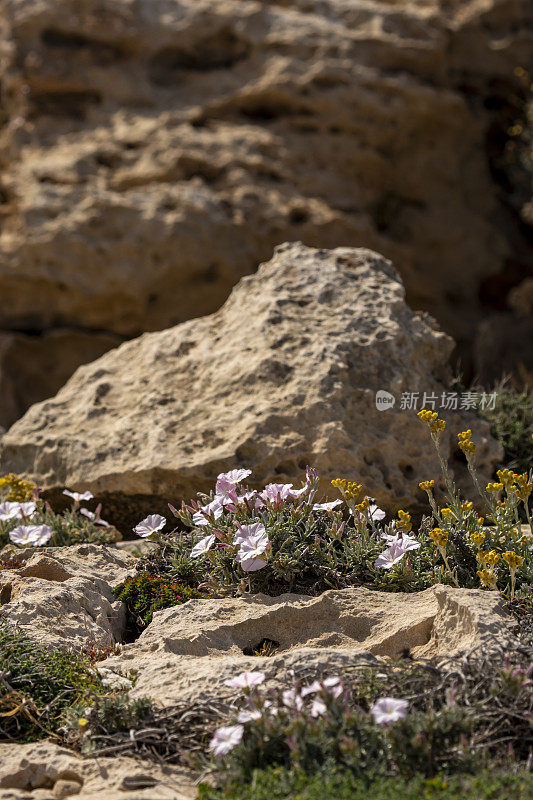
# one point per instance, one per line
(266, 647)
(298, 216)
(5, 594)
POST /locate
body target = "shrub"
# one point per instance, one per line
(26, 520)
(38, 686)
(280, 783)
(393, 719)
(281, 540)
(146, 594)
(511, 422)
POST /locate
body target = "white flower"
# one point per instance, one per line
(376, 513)
(94, 516)
(402, 540)
(246, 680)
(152, 524)
(291, 699)
(388, 709)
(314, 687)
(276, 492)
(214, 509)
(203, 546)
(248, 716)
(227, 481)
(327, 506)
(77, 496)
(12, 510)
(225, 739)
(389, 557)
(252, 547)
(245, 532)
(32, 535)
(318, 707)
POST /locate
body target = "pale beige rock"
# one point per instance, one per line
(45, 770)
(187, 652)
(62, 597)
(155, 152)
(284, 375)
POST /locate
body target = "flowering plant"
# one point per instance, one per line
(28, 521)
(279, 539)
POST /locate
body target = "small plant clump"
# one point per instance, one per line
(38, 686)
(375, 723)
(28, 521)
(280, 539)
(511, 423)
(145, 594)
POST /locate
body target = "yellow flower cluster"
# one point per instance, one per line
(468, 506)
(349, 489)
(487, 578)
(494, 487)
(363, 506)
(524, 488)
(490, 557)
(465, 443)
(439, 537)
(506, 476)
(513, 559)
(447, 513)
(427, 486)
(431, 418)
(478, 537)
(15, 489)
(404, 521)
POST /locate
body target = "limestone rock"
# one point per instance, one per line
(187, 652)
(284, 375)
(61, 597)
(155, 152)
(46, 771)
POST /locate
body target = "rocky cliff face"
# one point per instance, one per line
(155, 151)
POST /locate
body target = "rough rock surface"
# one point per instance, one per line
(154, 152)
(187, 653)
(284, 375)
(46, 771)
(61, 597)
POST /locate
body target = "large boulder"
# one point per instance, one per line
(284, 375)
(62, 597)
(155, 152)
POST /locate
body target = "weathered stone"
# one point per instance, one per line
(187, 652)
(155, 152)
(47, 771)
(284, 375)
(62, 597)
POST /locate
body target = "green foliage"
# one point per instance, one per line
(461, 717)
(37, 686)
(93, 727)
(145, 594)
(511, 422)
(282, 783)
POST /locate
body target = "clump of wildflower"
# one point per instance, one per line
(494, 488)
(465, 442)
(388, 709)
(404, 521)
(478, 537)
(16, 489)
(487, 578)
(431, 418)
(513, 561)
(427, 486)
